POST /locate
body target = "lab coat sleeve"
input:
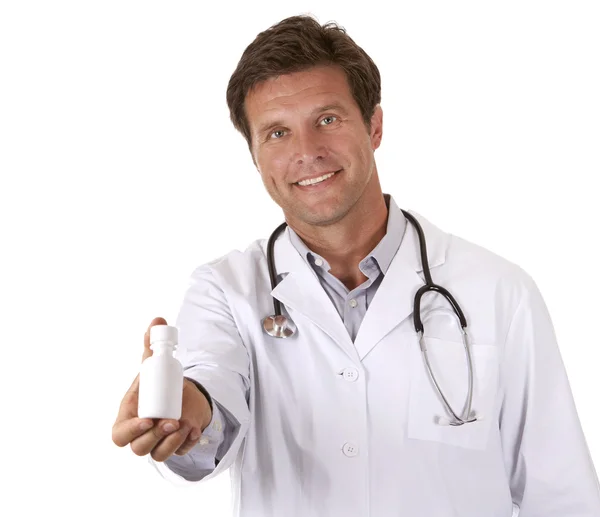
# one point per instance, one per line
(546, 456)
(212, 352)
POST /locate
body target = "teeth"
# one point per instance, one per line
(315, 180)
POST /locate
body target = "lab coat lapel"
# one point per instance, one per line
(394, 299)
(300, 290)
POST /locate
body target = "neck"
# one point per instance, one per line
(345, 243)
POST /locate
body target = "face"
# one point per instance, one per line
(307, 125)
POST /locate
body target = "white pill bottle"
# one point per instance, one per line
(161, 377)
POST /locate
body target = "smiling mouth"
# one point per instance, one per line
(316, 181)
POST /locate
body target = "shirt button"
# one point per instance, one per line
(350, 374)
(353, 303)
(319, 262)
(350, 449)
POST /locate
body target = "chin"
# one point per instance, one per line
(322, 217)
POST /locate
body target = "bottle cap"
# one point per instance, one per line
(163, 333)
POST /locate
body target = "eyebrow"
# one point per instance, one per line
(321, 109)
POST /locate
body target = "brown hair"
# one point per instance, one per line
(296, 44)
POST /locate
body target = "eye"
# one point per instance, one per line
(275, 132)
(331, 117)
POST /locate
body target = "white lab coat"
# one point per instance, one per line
(329, 427)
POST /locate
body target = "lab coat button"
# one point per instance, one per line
(350, 449)
(350, 374)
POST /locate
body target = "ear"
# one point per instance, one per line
(251, 151)
(255, 163)
(376, 127)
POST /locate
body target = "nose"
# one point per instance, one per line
(309, 147)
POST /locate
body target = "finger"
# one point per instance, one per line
(129, 403)
(146, 442)
(190, 442)
(126, 431)
(167, 447)
(147, 350)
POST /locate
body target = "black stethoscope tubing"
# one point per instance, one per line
(429, 285)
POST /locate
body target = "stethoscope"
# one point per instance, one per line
(279, 326)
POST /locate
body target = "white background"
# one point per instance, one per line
(121, 172)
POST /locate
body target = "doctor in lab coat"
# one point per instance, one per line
(341, 419)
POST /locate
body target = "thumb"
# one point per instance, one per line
(147, 350)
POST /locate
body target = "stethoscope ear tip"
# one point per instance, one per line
(444, 421)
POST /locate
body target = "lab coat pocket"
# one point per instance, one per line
(449, 364)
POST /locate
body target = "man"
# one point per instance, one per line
(342, 417)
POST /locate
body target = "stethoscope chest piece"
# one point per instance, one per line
(278, 326)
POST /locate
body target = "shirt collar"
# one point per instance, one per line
(382, 254)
